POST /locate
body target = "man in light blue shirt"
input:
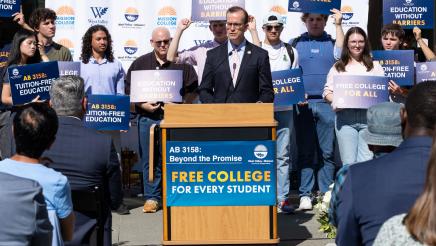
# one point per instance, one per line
(103, 74)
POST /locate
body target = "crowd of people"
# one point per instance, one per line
(387, 160)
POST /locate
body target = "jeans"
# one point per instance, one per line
(285, 145)
(349, 126)
(152, 190)
(315, 134)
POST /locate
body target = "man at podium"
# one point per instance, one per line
(236, 71)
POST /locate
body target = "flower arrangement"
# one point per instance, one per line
(322, 213)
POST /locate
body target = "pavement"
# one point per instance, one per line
(138, 228)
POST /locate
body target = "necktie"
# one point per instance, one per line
(235, 66)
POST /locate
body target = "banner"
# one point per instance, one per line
(409, 13)
(213, 10)
(28, 82)
(397, 64)
(310, 6)
(352, 91)
(9, 7)
(107, 112)
(425, 71)
(288, 88)
(220, 173)
(69, 68)
(156, 86)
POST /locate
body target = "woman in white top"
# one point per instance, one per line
(355, 60)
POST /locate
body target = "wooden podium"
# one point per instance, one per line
(205, 225)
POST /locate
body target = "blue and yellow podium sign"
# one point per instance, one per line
(220, 173)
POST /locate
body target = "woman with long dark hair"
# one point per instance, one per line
(24, 50)
(418, 227)
(349, 123)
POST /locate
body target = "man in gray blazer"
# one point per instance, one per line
(24, 219)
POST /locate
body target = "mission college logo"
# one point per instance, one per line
(281, 11)
(65, 17)
(167, 16)
(130, 47)
(131, 14)
(99, 15)
(68, 44)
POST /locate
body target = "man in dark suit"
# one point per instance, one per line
(23, 213)
(236, 71)
(376, 190)
(87, 157)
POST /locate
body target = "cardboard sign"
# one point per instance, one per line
(409, 13)
(28, 82)
(213, 10)
(397, 64)
(352, 91)
(107, 112)
(310, 6)
(288, 88)
(156, 86)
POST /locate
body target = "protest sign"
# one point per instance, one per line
(107, 112)
(203, 10)
(425, 71)
(310, 6)
(352, 91)
(69, 68)
(220, 173)
(409, 13)
(288, 88)
(397, 64)
(28, 82)
(9, 7)
(156, 86)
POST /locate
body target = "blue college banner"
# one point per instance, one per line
(69, 68)
(107, 112)
(352, 91)
(156, 86)
(425, 71)
(310, 6)
(220, 173)
(9, 7)
(213, 10)
(409, 13)
(288, 88)
(397, 64)
(28, 82)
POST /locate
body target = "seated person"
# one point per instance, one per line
(34, 128)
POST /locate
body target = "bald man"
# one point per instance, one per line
(152, 112)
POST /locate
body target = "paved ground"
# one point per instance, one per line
(138, 228)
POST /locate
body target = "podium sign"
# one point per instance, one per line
(220, 173)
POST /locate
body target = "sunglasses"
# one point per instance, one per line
(162, 42)
(269, 28)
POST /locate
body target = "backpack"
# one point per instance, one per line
(290, 51)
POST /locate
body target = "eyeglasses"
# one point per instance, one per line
(269, 28)
(162, 42)
(236, 25)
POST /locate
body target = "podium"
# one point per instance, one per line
(219, 223)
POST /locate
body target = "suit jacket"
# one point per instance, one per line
(88, 158)
(23, 212)
(376, 190)
(254, 82)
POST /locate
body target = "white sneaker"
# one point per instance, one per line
(305, 203)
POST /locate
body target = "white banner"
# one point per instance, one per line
(130, 22)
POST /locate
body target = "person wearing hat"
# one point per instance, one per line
(383, 136)
(282, 56)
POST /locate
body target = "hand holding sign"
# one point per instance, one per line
(337, 16)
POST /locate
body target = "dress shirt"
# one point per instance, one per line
(104, 78)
